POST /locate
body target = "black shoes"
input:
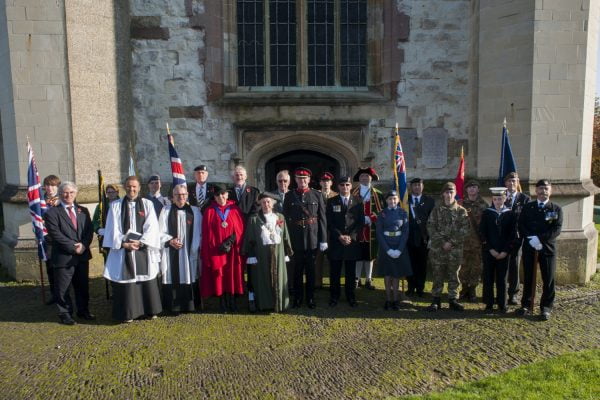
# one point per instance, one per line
(66, 319)
(387, 305)
(436, 304)
(297, 303)
(50, 301)
(369, 285)
(455, 305)
(332, 303)
(395, 306)
(545, 314)
(522, 311)
(311, 304)
(512, 300)
(86, 315)
(353, 303)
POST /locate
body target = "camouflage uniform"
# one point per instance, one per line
(471, 269)
(446, 224)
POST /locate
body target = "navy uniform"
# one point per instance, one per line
(320, 261)
(304, 211)
(498, 233)
(158, 200)
(540, 223)
(200, 195)
(344, 217)
(420, 208)
(515, 201)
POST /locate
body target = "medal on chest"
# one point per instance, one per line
(223, 216)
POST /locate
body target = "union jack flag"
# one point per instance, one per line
(400, 172)
(176, 164)
(37, 204)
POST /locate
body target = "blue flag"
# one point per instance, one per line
(507, 161)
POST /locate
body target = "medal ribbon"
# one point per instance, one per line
(222, 215)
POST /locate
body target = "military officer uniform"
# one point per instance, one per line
(541, 220)
(320, 261)
(304, 211)
(447, 224)
(420, 208)
(344, 217)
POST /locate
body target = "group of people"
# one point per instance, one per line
(168, 254)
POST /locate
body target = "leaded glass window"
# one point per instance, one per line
(353, 38)
(250, 30)
(282, 34)
(321, 46)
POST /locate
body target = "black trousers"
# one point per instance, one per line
(64, 278)
(304, 262)
(494, 271)
(334, 277)
(418, 261)
(514, 259)
(547, 265)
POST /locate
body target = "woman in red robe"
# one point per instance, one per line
(222, 234)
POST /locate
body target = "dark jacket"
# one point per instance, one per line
(248, 201)
(498, 231)
(417, 232)
(344, 220)
(545, 223)
(193, 200)
(308, 207)
(64, 235)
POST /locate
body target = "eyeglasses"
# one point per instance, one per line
(180, 194)
(110, 192)
(282, 180)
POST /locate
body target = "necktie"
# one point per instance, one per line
(509, 200)
(345, 202)
(417, 200)
(541, 205)
(201, 195)
(73, 217)
(238, 191)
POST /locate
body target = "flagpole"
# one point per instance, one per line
(39, 243)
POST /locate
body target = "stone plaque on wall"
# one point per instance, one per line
(435, 147)
(408, 138)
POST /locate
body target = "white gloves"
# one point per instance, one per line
(367, 220)
(251, 260)
(287, 259)
(394, 253)
(323, 246)
(534, 242)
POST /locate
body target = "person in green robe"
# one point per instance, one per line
(267, 246)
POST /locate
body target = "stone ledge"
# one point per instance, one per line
(302, 97)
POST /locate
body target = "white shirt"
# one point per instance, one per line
(365, 192)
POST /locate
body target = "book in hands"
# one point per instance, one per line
(132, 235)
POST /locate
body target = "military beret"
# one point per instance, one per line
(448, 186)
(154, 177)
(345, 179)
(511, 175)
(472, 182)
(201, 167)
(416, 180)
(302, 172)
(543, 182)
(498, 191)
(367, 170)
(326, 176)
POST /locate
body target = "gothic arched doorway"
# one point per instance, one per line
(313, 160)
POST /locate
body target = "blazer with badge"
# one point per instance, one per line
(64, 235)
(545, 223)
(193, 200)
(300, 208)
(344, 220)
(417, 225)
(247, 201)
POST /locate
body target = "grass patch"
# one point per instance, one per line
(570, 376)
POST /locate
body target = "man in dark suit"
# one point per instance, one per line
(420, 206)
(154, 195)
(244, 195)
(201, 192)
(304, 211)
(540, 224)
(515, 200)
(51, 183)
(70, 227)
(345, 220)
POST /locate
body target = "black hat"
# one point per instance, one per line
(391, 193)
(302, 172)
(201, 167)
(416, 180)
(154, 177)
(511, 175)
(472, 182)
(269, 195)
(543, 182)
(367, 170)
(345, 179)
(218, 190)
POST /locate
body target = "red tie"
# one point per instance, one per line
(73, 217)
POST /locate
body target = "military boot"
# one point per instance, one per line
(455, 305)
(436, 304)
(472, 294)
(464, 292)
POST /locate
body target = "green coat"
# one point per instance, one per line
(269, 276)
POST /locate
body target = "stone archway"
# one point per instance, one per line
(259, 153)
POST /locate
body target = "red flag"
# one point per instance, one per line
(459, 181)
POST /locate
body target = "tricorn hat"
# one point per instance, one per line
(367, 170)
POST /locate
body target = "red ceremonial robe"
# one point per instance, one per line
(221, 272)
